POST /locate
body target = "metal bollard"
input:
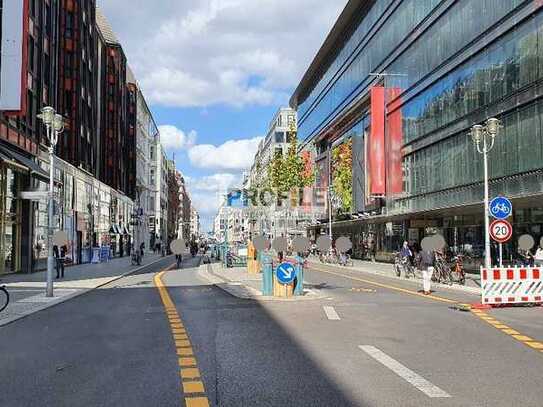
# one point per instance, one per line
(299, 289)
(267, 275)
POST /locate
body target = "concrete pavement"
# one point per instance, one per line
(27, 291)
(370, 341)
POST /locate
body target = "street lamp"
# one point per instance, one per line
(484, 138)
(54, 124)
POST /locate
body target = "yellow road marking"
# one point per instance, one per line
(196, 401)
(190, 373)
(183, 348)
(535, 345)
(187, 362)
(479, 313)
(522, 338)
(508, 331)
(193, 387)
(390, 287)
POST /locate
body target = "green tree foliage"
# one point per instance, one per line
(342, 175)
(289, 171)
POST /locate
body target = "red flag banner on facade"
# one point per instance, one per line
(376, 156)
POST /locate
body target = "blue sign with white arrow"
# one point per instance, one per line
(286, 273)
(500, 208)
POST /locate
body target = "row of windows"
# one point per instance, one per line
(346, 51)
(455, 161)
(404, 19)
(460, 25)
(516, 60)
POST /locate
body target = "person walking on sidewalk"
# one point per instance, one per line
(538, 257)
(60, 256)
(426, 266)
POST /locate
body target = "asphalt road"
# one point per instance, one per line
(360, 344)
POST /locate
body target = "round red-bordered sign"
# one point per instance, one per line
(501, 231)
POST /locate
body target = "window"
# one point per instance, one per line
(279, 137)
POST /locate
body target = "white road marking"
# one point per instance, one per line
(331, 313)
(405, 373)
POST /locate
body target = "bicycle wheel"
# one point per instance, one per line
(4, 298)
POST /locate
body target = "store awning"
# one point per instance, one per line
(114, 230)
(19, 160)
(125, 230)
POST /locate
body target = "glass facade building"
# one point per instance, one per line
(445, 65)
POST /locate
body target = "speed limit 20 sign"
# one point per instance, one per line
(501, 231)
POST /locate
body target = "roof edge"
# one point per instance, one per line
(327, 47)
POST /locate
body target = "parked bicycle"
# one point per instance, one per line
(458, 271)
(402, 264)
(4, 297)
(442, 270)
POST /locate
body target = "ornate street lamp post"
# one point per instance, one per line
(54, 125)
(484, 137)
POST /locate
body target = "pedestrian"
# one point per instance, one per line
(60, 256)
(426, 266)
(538, 258)
(142, 249)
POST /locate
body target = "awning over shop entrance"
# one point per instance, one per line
(114, 230)
(19, 160)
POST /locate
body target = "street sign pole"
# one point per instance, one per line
(488, 260)
(501, 255)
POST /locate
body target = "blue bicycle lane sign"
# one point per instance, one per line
(500, 208)
(286, 273)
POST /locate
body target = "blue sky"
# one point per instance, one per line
(214, 72)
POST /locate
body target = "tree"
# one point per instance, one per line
(289, 172)
(342, 175)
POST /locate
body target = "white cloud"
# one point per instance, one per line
(207, 194)
(232, 155)
(173, 138)
(205, 52)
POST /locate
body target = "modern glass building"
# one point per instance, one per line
(405, 80)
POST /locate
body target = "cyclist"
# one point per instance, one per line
(406, 252)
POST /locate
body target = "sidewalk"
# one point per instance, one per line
(386, 270)
(27, 291)
(239, 283)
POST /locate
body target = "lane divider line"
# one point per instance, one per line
(500, 326)
(390, 287)
(405, 373)
(191, 383)
(483, 316)
(331, 313)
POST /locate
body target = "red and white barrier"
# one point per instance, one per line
(512, 285)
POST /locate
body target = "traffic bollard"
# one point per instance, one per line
(267, 275)
(299, 289)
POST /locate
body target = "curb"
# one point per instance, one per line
(76, 294)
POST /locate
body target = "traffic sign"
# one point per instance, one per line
(501, 231)
(286, 273)
(500, 208)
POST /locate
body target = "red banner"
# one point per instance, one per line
(394, 144)
(376, 156)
